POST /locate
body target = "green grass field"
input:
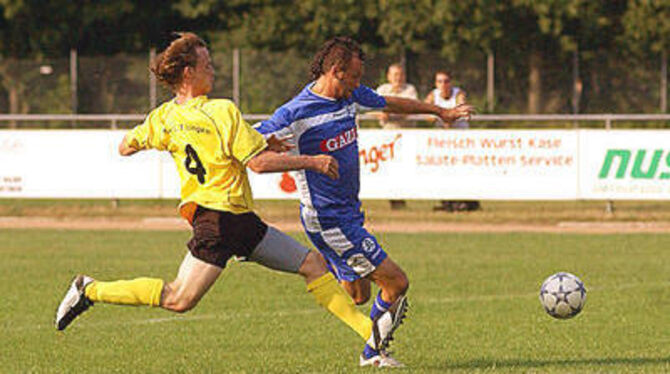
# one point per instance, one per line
(474, 308)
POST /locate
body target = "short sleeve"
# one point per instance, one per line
(366, 98)
(150, 134)
(245, 141)
(278, 124)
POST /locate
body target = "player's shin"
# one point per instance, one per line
(378, 308)
(329, 294)
(139, 291)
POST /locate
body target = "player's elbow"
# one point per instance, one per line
(257, 166)
(261, 163)
(125, 150)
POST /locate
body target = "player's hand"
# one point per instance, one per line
(327, 165)
(460, 111)
(280, 145)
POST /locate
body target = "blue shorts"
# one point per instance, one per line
(351, 251)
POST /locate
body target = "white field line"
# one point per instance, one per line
(314, 310)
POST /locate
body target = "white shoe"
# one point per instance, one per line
(382, 360)
(74, 303)
(386, 323)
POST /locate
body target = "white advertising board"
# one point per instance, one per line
(486, 164)
(624, 164)
(73, 164)
(407, 164)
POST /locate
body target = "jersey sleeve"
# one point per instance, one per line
(278, 124)
(367, 99)
(150, 134)
(245, 142)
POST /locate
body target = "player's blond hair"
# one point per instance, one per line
(169, 65)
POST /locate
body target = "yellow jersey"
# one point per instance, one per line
(210, 144)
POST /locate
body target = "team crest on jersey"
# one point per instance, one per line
(368, 245)
(339, 141)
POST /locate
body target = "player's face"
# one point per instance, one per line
(203, 74)
(396, 76)
(443, 83)
(349, 80)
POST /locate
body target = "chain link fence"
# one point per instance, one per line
(608, 82)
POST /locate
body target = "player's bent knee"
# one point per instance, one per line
(398, 286)
(313, 266)
(401, 283)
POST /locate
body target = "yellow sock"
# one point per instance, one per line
(139, 291)
(330, 295)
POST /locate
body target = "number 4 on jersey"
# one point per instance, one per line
(199, 170)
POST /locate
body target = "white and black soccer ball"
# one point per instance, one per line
(563, 295)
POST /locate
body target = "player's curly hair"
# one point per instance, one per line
(169, 65)
(335, 52)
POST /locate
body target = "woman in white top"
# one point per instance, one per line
(446, 96)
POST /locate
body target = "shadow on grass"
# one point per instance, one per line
(530, 364)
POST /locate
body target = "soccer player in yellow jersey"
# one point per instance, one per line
(212, 146)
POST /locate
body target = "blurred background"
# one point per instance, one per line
(511, 56)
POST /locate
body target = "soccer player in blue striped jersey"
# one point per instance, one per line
(321, 120)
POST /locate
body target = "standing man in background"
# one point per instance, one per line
(447, 96)
(396, 87)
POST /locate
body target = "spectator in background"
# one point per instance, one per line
(398, 87)
(447, 96)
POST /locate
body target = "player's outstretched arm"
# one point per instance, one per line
(270, 162)
(409, 106)
(125, 149)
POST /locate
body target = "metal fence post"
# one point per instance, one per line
(490, 82)
(152, 81)
(236, 76)
(576, 85)
(113, 126)
(73, 83)
(664, 81)
(609, 207)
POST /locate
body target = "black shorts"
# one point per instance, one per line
(218, 235)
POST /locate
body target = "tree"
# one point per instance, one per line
(37, 30)
(647, 30)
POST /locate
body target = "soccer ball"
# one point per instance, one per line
(563, 295)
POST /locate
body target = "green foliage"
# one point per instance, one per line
(647, 25)
(511, 30)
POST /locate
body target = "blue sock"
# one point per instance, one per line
(378, 307)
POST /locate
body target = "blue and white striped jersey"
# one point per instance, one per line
(321, 125)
